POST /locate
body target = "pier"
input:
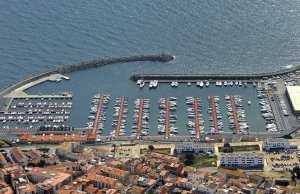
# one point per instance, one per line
(98, 114)
(120, 116)
(213, 107)
(167, 117)
(234, 114)
(196, 117)
(213, 76)
(140, 118)
(43, 112)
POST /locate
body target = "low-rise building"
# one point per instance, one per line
(18, 156)
(242, 160)
(194, 147)
(47, 180)
(101, 152)
(2, 160)
(278, 144)
(116, 173)
(5, 188)
(163, 157)
(23, 186)
(100, 181)
(196, 174)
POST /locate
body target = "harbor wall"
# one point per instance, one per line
(86, 65)
(241, 76)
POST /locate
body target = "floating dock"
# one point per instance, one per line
(140, 118)
(167, 117)
(196, 117)
(98, 114)
(213, 107)
(120, 116)
(234, 115)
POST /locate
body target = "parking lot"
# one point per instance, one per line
(281, 161)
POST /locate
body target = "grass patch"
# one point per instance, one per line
(245, 148)
(158, 150)
(204, 160)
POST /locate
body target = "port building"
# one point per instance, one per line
(293, 94)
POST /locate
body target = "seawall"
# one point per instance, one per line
(241, 76)
(86, 65)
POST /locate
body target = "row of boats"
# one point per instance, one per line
(216, 122)
(119, 117)
(266, 110)
(166, 117)
(141, 117)
(201, 84)
(40, 111)
(195, 117)
(97, 119)
(236, 115)
(65, 105)
(37, 112)
(34, 119)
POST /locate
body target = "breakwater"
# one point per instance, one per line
(241, 76)
(101, 62)
(86, 65)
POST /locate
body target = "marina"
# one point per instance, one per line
(226, 107)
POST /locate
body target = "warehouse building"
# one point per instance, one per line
(293, 94)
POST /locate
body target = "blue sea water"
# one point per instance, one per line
(205, 36)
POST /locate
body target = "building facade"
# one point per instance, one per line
(242, 160)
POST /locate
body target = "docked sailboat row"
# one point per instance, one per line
(167, 118)
(141, 117)
(119, 117)
(98, 112)
(266, 110)
(195, 123)
(64, 105)
(216, 123)
(240, 113)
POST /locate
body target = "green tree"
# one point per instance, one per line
(42, 163)
(151, 148)
(227, 148)
(189, 159)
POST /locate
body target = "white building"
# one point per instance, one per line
(242, 160)
(274, 144)
(194, 147)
